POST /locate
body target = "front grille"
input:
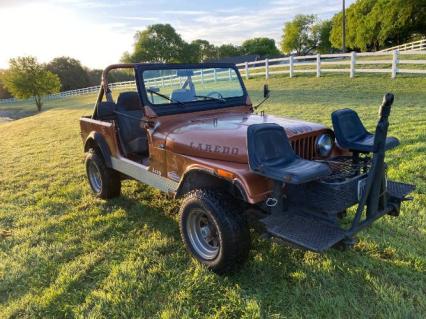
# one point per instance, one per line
(304, 147)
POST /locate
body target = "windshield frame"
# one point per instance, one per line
(193, 106)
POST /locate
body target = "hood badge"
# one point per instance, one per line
(222, 149)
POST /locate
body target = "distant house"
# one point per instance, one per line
(242, 58)
(237, 59)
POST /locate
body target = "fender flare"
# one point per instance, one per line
(96, 140)
(209, 173)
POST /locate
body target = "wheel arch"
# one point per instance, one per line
(96, 141)
(206, 178)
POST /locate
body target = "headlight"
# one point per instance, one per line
(324, 145)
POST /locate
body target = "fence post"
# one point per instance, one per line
(229, 75)
(202, 76)
(318, 65)
(394, 63)
(353, 64)
(291, 66)
(215, 75)
(266, 69)
(247, 71)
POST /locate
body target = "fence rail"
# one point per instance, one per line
(350, 63)
(394, 62)
(419, 45)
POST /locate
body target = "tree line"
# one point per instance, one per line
(370, 25)
(69, 73)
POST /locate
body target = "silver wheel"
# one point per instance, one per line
(94, 177)
(202, 234)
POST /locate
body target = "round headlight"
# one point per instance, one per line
(324, 145)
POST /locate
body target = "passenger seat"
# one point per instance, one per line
(131, 129)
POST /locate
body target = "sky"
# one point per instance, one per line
(98, 32)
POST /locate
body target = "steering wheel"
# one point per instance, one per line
(219, 95)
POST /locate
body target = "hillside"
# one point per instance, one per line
(64, 253)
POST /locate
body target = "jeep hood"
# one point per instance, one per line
(224, 137)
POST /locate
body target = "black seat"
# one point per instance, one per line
(270, 154)
(130, 113)
(106, 111)
(351, 133)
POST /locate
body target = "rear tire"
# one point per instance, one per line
(104, 182)
(213, 230)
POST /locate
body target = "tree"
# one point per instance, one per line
(360, 34)
(27, 78)
(229, 50)
(261, 46)
(300, 35)
(375, 24)
(4, 93)
(70, 72)
(322, 30)
(94, 76)
(158, 43)
(204, 50)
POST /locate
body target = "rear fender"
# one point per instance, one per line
(95, 140)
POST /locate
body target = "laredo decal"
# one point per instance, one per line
(215, 148)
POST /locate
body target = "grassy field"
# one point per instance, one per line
(64, 253)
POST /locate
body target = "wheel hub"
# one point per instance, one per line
(95, 177)
(202, 234)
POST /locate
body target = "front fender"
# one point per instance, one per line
(205, 177)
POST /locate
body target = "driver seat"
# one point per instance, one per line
(130, 113)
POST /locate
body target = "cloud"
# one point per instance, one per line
(234, 25)
(98, 32)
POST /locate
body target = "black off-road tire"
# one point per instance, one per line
(233, 235)
(110, 181)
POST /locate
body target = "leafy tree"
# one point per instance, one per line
(94, 76)
(321, 31)
(204, 50)
(374, 24)
(260, 46)
(360, 34)
(228, 50)
(158, 43)
(300, 35)
(4, 93)
(27, 78)
(70, 72)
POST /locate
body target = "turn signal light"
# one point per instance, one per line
(225, 174)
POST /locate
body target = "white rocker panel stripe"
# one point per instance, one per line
(141, 173)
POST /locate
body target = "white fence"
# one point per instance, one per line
(351, 63)
(419, 45)
(394, 63)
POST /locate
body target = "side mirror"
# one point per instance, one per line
(266, 91)
(266, 94)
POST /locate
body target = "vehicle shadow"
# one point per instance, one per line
(277, 277)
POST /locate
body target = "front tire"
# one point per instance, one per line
(213, 231)
(104, 182)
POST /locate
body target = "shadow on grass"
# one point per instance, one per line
(275, 276)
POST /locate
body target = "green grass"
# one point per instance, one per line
(64, 253)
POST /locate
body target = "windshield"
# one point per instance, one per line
(180, 86)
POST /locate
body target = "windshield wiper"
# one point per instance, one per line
(164, 97)
(222, 100)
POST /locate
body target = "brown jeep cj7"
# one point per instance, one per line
(192, 132)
